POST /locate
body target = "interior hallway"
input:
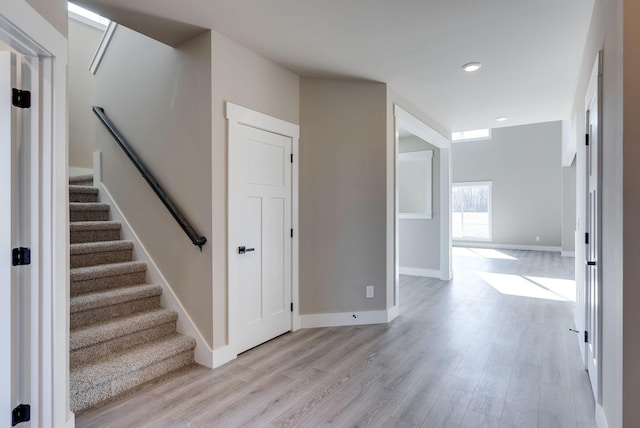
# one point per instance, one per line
(472, 352)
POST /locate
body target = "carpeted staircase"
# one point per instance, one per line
(120, 336)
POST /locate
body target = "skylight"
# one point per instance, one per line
(476, 134)
(88, 17)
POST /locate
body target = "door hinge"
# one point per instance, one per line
(291, 157)
(21, 256)
(20, 99)
(20, 414)
(292, 233)
(291, 306)
(586, 239)
(586, 139)
(586, 337)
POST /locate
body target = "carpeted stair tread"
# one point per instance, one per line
(106, 369)
(82, 188)
(88, 211)
(100, 253)
(100, 247)
(101, 299)
(103, 332)
(81, 179)
(81, 226)
(88, 206)
(83, 194)
(104, 271)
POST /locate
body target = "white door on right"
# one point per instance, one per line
(260, 227)
(593, 283)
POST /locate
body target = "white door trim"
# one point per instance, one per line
(236, 116)
(594, 90)
(26, 31)
(409, 122)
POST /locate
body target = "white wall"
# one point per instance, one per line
(523, 162)
(420, 238)
(619, 265)
(83, 42)
(54, 11)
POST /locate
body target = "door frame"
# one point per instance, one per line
(28, 33)
(407, 121)
(242, 116)
(594, 90)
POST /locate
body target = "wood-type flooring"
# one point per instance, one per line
(491, 348)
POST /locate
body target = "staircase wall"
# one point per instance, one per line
(83, 42)
(160, 99)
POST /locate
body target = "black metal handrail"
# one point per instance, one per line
(159, 191)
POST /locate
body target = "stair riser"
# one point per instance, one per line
(83, 197)
(106, 283)
(100, 258)
(77, 182)
(107, 313)
(81, 399)
(110, 347)
(88, 215)
(82, 236)
(81, 181)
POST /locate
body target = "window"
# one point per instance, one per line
(474, 135)
(415, 184)
(83, 15)
(471, 211)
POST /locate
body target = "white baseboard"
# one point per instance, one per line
(69, 423)
(601, 419)
(393, 313)
(429, 273)
(346, 318)
(185, 325)
(568, 253)
(223, 355)
(506, 246)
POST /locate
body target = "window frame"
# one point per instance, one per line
(489, 185)
(468, 139)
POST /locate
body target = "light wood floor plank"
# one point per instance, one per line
(461, 354)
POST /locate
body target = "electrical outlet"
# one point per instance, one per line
(537, 239)
(369, 291)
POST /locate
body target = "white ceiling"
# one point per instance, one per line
(531, 50)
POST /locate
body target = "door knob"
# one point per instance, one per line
(243, 250)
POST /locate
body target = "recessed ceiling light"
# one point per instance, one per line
(502, 118)
(472, 66)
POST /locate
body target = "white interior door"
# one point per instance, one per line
(260, 234)
(593, 283)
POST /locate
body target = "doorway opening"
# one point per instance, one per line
(422, 202)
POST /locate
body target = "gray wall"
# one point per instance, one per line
(523, 162)
(569, 208)
(54, 11)
(419, 242)
(342, 195)
(83, 42)
(250, 80)
(160, 99)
